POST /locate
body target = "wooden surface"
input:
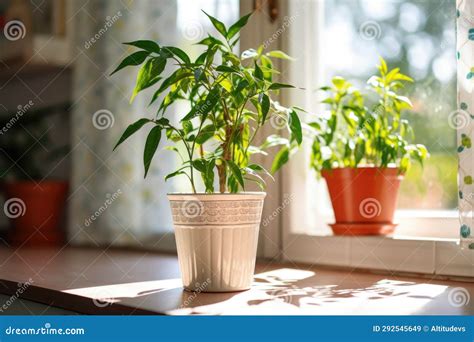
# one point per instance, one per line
(94, 281)
(22, 307)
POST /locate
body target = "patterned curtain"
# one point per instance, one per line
(109, 201)
(464, 118)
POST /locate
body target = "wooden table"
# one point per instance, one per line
(92, 281)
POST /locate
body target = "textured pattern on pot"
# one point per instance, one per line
(216, 238)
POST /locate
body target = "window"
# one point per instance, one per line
(419, 38)
(343, 36)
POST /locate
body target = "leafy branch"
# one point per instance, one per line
(351, 134)
(230, 98)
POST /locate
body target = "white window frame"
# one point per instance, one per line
(436, 256)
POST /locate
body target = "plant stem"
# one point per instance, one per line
(226, 154)
(190, 156)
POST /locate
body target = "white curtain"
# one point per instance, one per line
(463, 118)
(110, 202)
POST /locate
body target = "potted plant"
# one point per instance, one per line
(33, 203)
(363, 153)
(230, 99)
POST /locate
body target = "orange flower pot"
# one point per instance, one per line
(364, 199)
(36, 211)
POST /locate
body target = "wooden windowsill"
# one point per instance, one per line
(98, 281)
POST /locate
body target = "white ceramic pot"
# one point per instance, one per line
(216, 238)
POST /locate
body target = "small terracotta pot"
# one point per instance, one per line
(36, 211)
(364, 199)
(216, 239)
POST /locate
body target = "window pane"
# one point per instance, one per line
(419, 38)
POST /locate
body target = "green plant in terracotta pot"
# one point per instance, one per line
(230, 99)
(34, 201)
(363, 151)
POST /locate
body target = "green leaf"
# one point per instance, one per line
(259, 179)
(267, 68)
(423, 151)
(225, 68)
(226, 84)
(404, 99)
(151, 144)
(187, 127)
(359, 151)
(235, 28)
(339, 82)
(174, 174)
(230, 57)
(259, 168)
(232, 184)
(383, 66)
(209, 176)
(402, 77)
(201, 58)
(281, 158)
(265, 106)
(148, 74)
(134, 127)
(204, 107)
(220, 27)
(299, 109)
(177, 76)
(206, 168)
(210, 41)
(200, 165)
(163, 122)
(205, 134)
(258, 72)
(242, 84)
(295, 127)
(274, 140)
(279, 54)
(147, 45)
(135, 58)
(391, 74)
(275, 86)
(256, 150)
(236, 172)
(211, 52)
(178, 53)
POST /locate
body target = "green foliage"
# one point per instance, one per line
(23, 139)
(352, 134)
(231, 100)
(414, 192)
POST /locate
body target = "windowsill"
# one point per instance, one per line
(416, 224)
(391, 237)
(424, 213)
(401, 254)
(112, 281)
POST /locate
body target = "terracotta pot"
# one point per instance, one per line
(364, 199)
(216, 239)
(36, 210)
